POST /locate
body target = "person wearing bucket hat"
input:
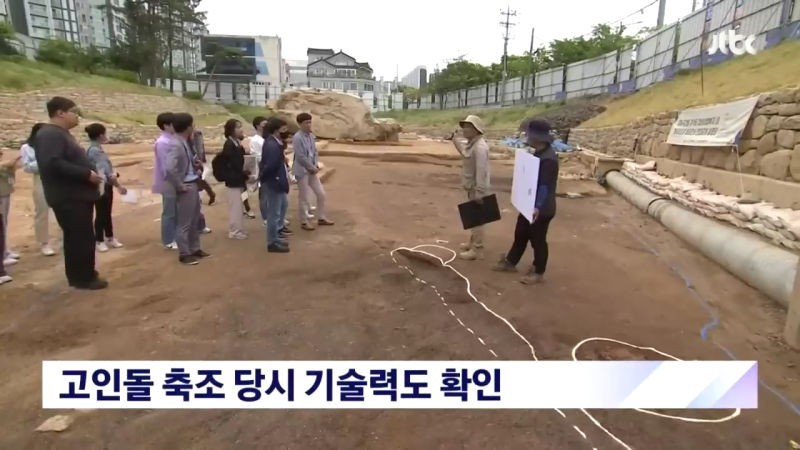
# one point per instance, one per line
(540, 140)
(475, 177)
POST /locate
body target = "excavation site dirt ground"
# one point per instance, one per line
(613, 274)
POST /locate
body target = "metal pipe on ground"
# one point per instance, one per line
(767, 268)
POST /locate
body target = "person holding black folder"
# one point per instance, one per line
(475, 177)
(535, 232)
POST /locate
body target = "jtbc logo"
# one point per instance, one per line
(733, 42)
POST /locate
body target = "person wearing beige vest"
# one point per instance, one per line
(475, 177)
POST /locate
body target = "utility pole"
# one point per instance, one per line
(694, 5)
(662, 9)
(507, 24)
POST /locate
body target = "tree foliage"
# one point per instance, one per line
(7, 36)
(461, 74)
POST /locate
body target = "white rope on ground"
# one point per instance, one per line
(597, 423)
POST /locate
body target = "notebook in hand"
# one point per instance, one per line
(474, 214)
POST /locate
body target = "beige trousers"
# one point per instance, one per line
(476, 236)
(235, 210)
(41, 214)
(305, 186)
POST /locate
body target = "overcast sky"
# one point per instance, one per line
(398, 36)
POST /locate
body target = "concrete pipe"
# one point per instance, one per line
(760, 264)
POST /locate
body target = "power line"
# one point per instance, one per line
(638, 11)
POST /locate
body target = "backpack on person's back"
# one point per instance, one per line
(219, 167)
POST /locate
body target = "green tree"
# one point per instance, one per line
(460, 74)
(7, 37)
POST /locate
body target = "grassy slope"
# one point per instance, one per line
(25, 75)
(494, 118)
(766, 71)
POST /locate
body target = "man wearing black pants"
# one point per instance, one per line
(535, 232)
(70, 187)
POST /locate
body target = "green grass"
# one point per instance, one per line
(248, 112)
(508, 118)
(769, 70)
(18, 75)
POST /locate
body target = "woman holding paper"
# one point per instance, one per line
(535, 232)
(103, 227)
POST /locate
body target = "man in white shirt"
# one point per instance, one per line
(255, 147)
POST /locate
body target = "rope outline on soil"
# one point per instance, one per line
(446, 264)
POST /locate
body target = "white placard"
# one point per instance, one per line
(525, 183)
(132, 196)
(712, 126)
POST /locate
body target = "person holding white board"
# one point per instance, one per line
(475, 177)
(535, 231)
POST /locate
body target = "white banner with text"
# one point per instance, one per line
(712, 126)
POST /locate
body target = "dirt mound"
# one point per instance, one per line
(568, 116)
(336, 116)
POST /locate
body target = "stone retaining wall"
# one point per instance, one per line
(19, 111)
(770, 144)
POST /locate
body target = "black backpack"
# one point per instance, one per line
(219, 167)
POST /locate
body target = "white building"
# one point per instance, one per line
(296, 71)
(417, 78)
(107, 22)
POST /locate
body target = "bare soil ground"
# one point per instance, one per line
(339, 295)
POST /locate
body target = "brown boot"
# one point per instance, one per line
(471, 254)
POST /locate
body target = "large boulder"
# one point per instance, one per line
(336, 116)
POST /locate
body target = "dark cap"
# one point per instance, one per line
(539, 130)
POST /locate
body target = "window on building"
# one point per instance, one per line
(368, 87)
(353, 86)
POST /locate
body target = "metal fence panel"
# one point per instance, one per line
(625, 63)
(513, 92)
(759, 17)
(654, 55)
(591, 76)
(549, 84)
(476, 95)
(690, 37)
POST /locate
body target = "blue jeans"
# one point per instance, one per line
(277, 202)
(263, 204)
(169, 218)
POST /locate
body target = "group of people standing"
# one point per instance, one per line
(476, 183)
(78, 185)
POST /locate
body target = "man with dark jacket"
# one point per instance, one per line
(274, 178)
(235, 177)
(535, 232)
(71, 186)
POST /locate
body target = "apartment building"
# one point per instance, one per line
(327, 69)
(417, 78)
(48, 19)
(106, 22)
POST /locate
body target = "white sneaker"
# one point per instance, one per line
(114, 243)
(5, 279)
(12, 254)
(238, 236)
(286, 223)
(9, 261)
(265, 222)
(102, 247)
(47, 250)
(250, 214)
(205, 230)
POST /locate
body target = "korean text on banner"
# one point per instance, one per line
(712, 126)
(525, 183)
(399, 384)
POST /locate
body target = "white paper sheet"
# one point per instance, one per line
(525, 183)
